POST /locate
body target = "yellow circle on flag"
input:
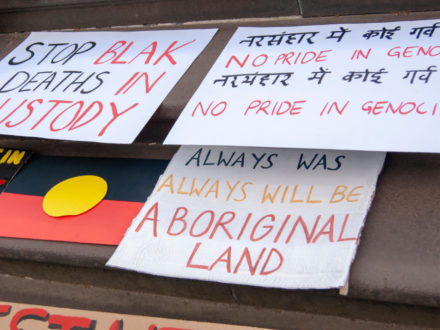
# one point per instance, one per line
(75, 195)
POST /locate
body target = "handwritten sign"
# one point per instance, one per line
(344, 86)
(11, 161)
(92, 86)
(267, 217)
(37, 317)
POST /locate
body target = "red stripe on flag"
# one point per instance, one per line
(22, 216)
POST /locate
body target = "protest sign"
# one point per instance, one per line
(92, 86)
(341, 86)
(256, 216)
(36, 317)
(11, 161)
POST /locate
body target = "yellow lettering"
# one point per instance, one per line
(292, 199)
(243, 191)
(5, 156)
(179, 190)
(231, 188)
(194, 189)
(353, 193)
(16, 157)
(309, 196)
(338, 192)
(168, 183)
(213, 189)
(267, 195)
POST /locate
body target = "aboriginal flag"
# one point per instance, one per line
(130, 182)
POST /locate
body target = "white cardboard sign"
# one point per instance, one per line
(342, 86)
(255, 216)
(92, 86)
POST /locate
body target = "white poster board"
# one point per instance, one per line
(267, 217)
(341, 86)
(92, 86)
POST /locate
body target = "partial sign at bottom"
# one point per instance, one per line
(36, 317)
